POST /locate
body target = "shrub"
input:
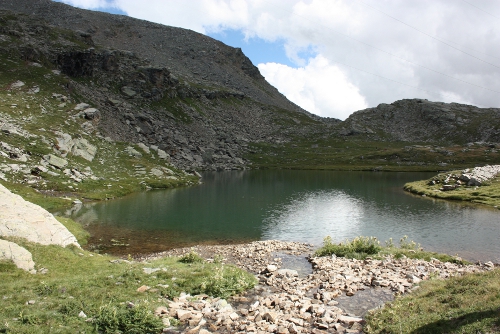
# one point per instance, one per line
(226, 281)
(122, 319)
(359, 247)
(191, 257)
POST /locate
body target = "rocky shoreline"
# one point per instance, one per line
(287, 302)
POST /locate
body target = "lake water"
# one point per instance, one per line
(239, 206)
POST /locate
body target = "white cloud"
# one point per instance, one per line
(319, 87)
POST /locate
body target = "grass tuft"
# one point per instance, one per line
(467, 304)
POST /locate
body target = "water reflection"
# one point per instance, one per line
(311, 216)
(293, 205)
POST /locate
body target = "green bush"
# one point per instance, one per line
(226, 281)
(191, 257)
(122, 319)
(359, 247)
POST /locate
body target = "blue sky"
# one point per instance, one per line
(333, 57)
(257, 49)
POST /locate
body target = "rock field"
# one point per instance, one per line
(284, 302)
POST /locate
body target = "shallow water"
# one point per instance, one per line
(241, 206)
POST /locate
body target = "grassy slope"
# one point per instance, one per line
(101, 286)
(467, 304)
(357, 153)
(41, 116)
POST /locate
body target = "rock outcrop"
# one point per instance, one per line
(420, 120)
(20, 218)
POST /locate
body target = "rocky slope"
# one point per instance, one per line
(419, 120)
(194, 97)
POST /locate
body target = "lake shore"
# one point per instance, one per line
(286, 301)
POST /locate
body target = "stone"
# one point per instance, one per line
(349, 320)
(21, 257)
(128, 92)
(184, 315)
(91, 113)
(20, 218)
(114, 102)
(82, 315)
(17, 84)
(144, 148)
(156, 172)
(55, 161)
(163, 155)
(132, 152)
(271, 268)
(143, 288)
(9, 129)
(288, 273)
(270, 316)
(84, 149)
(81, 106)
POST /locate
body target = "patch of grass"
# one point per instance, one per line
(362, 247)
(488, 193)
(76, 229)
(358, 248)
(191, 257)
(467, 304)
(123, 319)
(103, 288)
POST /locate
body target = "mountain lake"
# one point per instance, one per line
(243, 206)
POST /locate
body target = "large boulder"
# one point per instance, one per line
(19, 255)
(20, 218)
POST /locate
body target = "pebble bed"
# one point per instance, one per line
(333, 298)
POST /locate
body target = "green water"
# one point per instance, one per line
(305, 206)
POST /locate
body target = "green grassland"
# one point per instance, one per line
(467, 304)
(104, 288)
(338, 153)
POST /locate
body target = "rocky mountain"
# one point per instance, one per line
(200, 103)
(419, 120)
(194, 97)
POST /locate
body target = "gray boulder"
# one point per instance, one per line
(133, 152)
(129, 92)
(55, 161)
(91, 113)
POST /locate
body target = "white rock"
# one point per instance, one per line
(20, 218)
(20, 256)
(17, 84)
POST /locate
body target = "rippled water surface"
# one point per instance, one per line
(291, 205)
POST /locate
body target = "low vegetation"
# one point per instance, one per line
(87, 292)
(362, 247)
(349, 153)
(488, 193)
(467, 304)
